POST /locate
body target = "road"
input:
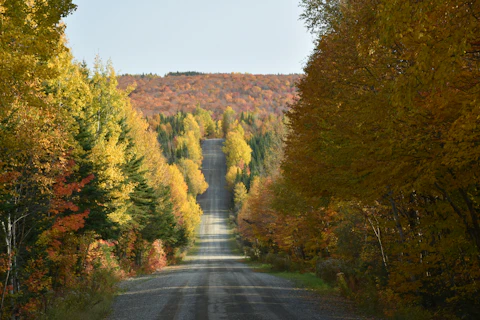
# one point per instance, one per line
(214, 283)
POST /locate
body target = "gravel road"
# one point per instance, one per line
(213, 283)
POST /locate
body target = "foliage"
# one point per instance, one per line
(180, 137)
(377, 190)
(193, 176)
(239, 195)
(243, 92)
(86, 196)
(237, 150)
(187, 73)
(381, 157)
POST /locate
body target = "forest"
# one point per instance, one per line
(86, 195)
(363, 170)
(185, 91)
(377, 189)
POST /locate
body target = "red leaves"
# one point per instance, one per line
(69, 223)
(62, 211)
(61, 203)
(9, 176)
(62, 190)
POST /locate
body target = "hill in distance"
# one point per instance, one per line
(184, 91)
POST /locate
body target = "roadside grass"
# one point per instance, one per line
(81, 306)
(193, 249)
(232, 239)
(93, 301)
(183, 256)
(307, 280)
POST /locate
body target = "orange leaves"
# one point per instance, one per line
(38, 281)
(69, 223)
(61, 211)
(63, 191)
(156, 257)
(301, 235)
(8, 177)
(60, 231)
(242, 92)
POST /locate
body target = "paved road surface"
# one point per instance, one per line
(213, 284)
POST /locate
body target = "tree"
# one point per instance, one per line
(239, 195)
(376, 131)
(231, 176)
(193, 177)
(205, 121)
(190, 124)
(227, 120)
(237, 150)
(33, 136)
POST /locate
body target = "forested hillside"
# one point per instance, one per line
(179, 92)
(378, 187)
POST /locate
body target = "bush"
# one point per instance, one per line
(89, 301)
(327, 269)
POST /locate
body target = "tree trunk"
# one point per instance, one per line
(396, 217)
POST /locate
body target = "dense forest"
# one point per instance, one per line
(185, 91)
(364, 170)
(86, 195)
(378, 188)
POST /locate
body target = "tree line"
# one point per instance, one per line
(377, 191)
(86, 195)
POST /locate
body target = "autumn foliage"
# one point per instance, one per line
(155, 94)
(86, 195)
(381, 158)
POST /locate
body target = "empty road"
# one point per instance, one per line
(213, 283)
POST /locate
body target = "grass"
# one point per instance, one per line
(305, 280)
(81, 306)
(192, 250)
(89, 301)
(232, 240)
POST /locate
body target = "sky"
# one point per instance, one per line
(211, 36)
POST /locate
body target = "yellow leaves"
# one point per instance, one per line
(227, 120)
(190, 124)
(192, 214)
(239, 195)
(190, 141)
(186, 209)
(231, 175)
(193, 176)
(147, 146)
(238, 152)
(205, 122)
(120, 216)
(109, 155)
(178, 189)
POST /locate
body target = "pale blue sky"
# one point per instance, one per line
(159, 36)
